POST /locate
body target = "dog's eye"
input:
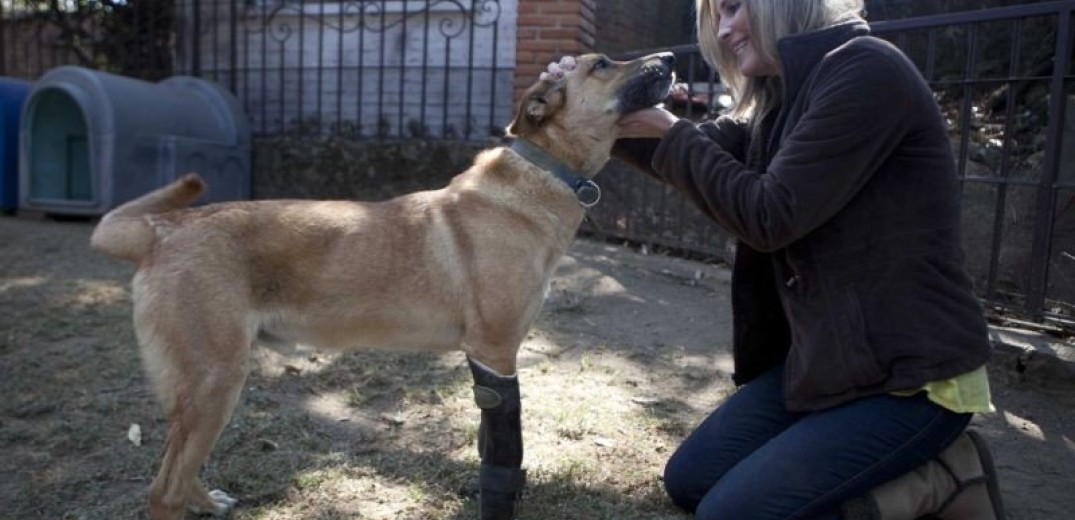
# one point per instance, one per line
(601, 64)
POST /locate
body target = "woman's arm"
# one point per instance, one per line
(854, 119)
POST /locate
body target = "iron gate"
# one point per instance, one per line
(360, 69)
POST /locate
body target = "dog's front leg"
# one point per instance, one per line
(500, 442)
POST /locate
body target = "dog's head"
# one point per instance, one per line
(573, 109)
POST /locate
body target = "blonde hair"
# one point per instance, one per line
(770, 21)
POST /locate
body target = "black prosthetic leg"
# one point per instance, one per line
(500, 443)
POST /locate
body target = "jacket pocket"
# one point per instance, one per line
(831, 354)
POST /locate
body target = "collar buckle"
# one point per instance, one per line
(588, 193)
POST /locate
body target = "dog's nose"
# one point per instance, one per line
(668, 58)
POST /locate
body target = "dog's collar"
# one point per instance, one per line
(585, 189)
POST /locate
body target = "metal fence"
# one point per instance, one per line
(1009, 94)
(402, 68)
(357, 69)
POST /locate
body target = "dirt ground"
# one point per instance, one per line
(630, 352)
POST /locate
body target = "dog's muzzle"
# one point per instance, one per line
(652, 84)
(662, 66)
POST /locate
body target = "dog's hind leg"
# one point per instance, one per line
(500, 442)
(202, 410)
(200, 373)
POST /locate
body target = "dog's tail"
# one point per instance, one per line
(126, 233)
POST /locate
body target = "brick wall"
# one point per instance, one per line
(631, 25)
(547, 30)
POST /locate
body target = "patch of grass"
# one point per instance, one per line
(571, 423)
(309, 480)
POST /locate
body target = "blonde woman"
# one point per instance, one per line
(860, 347)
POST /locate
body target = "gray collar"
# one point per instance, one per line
(585, 189)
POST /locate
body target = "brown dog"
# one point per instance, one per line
(464, 267)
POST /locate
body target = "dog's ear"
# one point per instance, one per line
(538, 104)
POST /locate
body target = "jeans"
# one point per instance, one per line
(752, 459)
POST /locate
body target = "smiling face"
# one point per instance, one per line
(735, 35)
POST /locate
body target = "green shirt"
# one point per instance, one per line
(965, 393)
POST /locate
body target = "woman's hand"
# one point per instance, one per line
(648, 122)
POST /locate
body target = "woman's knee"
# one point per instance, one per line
(682, 483)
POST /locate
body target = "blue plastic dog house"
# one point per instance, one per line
(12, 94)
(91, 140)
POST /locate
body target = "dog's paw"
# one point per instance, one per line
(220, 504)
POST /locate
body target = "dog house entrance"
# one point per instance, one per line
(60, 159)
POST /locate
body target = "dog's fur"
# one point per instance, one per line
(463, 267)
